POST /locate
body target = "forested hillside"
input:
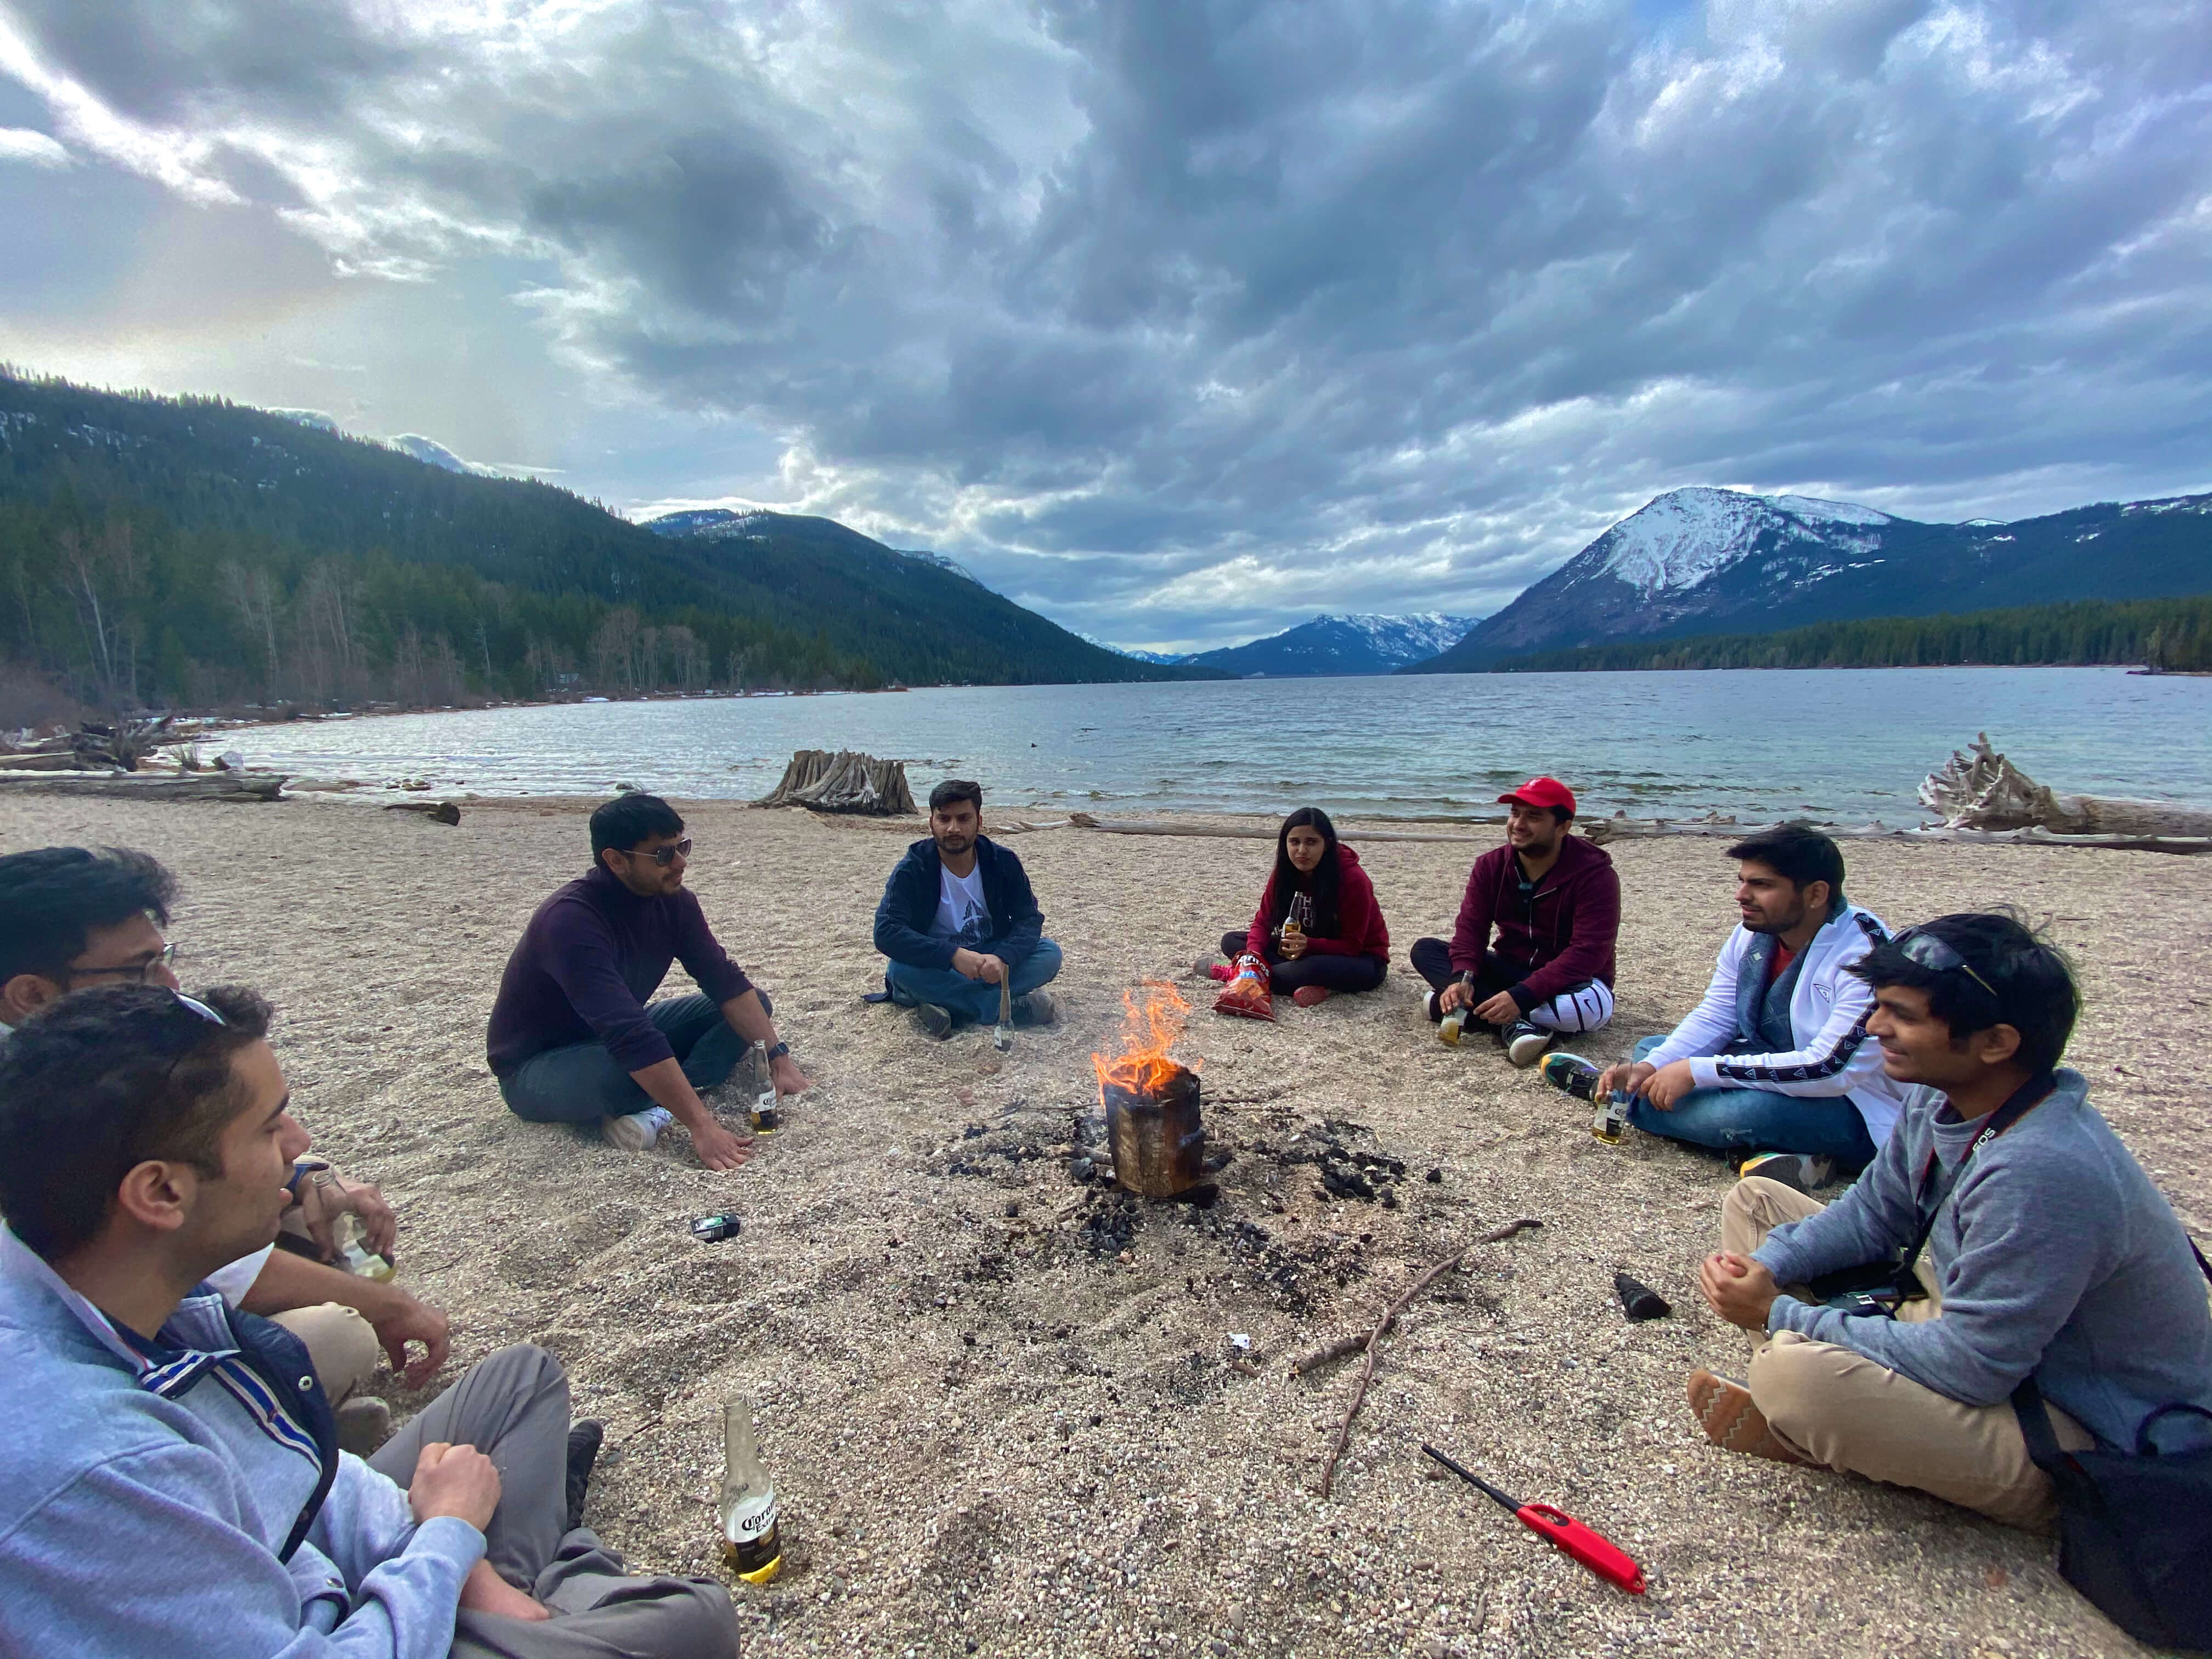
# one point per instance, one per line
(194, 552)
(2169, 634)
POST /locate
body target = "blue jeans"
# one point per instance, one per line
(966, 997)
(1758, 1120)
(583, 1083)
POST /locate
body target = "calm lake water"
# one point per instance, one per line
(1846, 745)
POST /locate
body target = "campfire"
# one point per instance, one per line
(1151, 1103)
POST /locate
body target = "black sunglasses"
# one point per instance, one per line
(665, 855)
(1932, 954)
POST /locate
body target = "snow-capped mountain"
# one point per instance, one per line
(1342, 644)
(431, 452)
(719, 524)
(1704, 560)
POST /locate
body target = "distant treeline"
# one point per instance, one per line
(2166, 634)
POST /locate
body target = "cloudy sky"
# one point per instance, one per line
(1177, 319)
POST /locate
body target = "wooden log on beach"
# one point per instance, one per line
(438, 812)
(846, 781)
(1978, 788)
(1622, 828)
(1261, 832)
(117, 786)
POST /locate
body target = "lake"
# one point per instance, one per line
(1842, 745)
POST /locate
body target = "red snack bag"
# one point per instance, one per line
(1247, 995)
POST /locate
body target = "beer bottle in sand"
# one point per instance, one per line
(1450, 1027)
(763, 1112)
(752, 1548)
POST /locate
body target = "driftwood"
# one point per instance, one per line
(1978, 788)
(438, 812)
(843, 782)
(225, 786)
(1374, 1338)
(1622, 828)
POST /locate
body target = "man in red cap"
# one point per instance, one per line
(1553, 901)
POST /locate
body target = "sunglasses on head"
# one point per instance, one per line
(666, 854)
(1932, 954)
(199, 1008)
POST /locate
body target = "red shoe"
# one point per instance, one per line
(1310, 996)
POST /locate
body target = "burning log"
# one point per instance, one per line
(1153, 1119)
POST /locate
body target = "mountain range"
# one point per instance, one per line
(1333, 644)
(1705, 561)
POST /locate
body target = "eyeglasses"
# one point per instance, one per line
(1932, 953)
(665, 855)
(142, 972)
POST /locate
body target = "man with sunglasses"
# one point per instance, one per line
(1773, 1067)
(72, 918)
(2006, 1234)
(169, 1480)
(574, 1038)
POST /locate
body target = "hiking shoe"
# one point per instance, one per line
(1799, 1171)
(1310, 996)
(584, 1439)
(633, 1131)
(1429, 1006)
(1202, 968)
(934, 1018)
(1725, 1412)
(1524, 1041)
(1571, 1075)
(363, 1424)
(1034, 1008)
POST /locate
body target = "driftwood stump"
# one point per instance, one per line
(1978, 788)
(846, 781)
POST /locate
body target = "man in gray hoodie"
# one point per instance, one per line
(170, 1482)
(2048, 1253)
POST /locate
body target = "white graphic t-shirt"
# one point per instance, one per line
(962, 915)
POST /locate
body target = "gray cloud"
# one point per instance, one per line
(1184, 320)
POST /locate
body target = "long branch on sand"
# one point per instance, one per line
(1347, 1344)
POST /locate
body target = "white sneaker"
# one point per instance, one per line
(637, 1130)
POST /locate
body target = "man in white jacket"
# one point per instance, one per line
(1774, 1066)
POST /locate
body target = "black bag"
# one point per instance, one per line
(2135, 1532)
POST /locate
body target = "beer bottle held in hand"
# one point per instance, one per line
(1450, 1027)
(751, 1546)
(763, 1113)
(1294, 923)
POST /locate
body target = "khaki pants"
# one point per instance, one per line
(341, 1344)
(1842, 1409)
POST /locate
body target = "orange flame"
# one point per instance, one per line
(1147, 1033)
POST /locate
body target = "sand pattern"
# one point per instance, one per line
(1002, 1406)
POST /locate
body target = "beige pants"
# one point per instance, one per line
(341, 1344)
(1845, 1411)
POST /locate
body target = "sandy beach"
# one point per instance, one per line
(999, 1404)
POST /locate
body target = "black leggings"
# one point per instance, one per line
(1331, 973)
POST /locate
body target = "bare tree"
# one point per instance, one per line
(255, 599)
(614, 649)
(100, 578)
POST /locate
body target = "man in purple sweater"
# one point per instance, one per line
(1553, 901)
(573, 1038)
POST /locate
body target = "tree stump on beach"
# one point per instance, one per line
(846, 781)
(1978, 788)
(438, 812)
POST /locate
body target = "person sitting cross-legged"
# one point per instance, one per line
(958, 920)
(1552, 899)
(1773, 1068)
(1318, 926)
(573, 1038)
(2049, 1255)
(170, 1482)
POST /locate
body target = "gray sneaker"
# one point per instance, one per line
(634, 1132)
(934, 1020)
(1035, 1009)
(1525, 1042)
(363, 1424)
(1800, 1171)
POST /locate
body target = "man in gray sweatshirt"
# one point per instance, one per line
(170, 1482)
(2049, 1253)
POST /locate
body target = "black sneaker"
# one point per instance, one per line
(1525, 1042)
(1571, 1075)
(1800, 1171)
(584, 1439)
(933, 1019)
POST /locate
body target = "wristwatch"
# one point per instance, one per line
(779, 1051)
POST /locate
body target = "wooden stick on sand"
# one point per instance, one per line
(1373, 1339)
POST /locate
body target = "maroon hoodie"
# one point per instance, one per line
(1360, 931)
(1561, 938)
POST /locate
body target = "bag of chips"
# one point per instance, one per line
(1247, 995)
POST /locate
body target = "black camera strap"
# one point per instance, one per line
(2017, 1105)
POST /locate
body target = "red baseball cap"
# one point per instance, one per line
(1543, 791)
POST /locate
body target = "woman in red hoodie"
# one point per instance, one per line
(1340, 944)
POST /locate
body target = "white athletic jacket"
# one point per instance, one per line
(1827, 1016)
